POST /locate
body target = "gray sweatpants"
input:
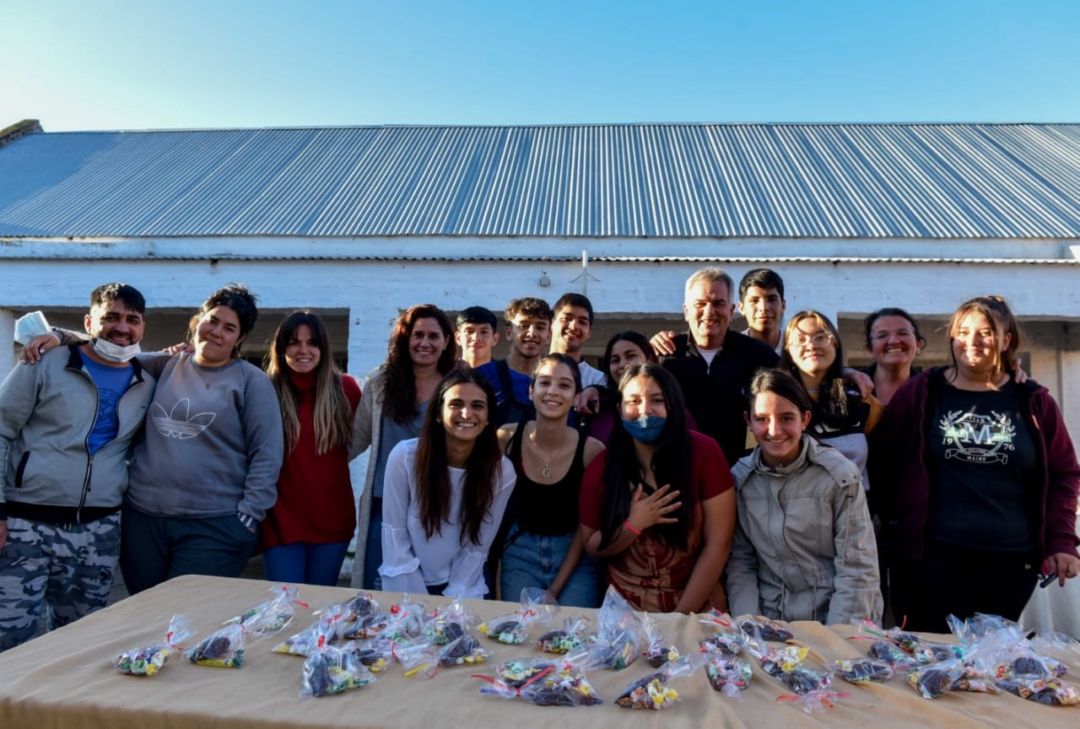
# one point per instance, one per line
(59, 572)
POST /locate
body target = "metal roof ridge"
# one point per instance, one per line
(574, 125)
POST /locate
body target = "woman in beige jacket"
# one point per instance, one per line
(804, 544)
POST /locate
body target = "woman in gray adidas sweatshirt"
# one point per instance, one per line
(206, 471)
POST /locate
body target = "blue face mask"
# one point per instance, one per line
(646, 429)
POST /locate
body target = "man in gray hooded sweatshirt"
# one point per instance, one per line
(66, 426)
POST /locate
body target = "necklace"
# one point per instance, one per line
(545, 470)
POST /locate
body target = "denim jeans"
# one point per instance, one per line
(533, 560)
(306, 563)
(373, 554)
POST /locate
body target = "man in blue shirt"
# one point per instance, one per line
(66, 425)
(476, 334)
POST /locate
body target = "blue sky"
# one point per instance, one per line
(142, 64)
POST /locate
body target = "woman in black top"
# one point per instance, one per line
(542, 548)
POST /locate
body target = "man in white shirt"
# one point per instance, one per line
(571, 329)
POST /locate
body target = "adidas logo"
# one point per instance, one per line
(179, 423)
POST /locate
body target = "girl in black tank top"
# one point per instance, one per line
(540, 546)
(546, 508)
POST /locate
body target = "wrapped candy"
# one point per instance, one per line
(656, 652)
(463, 650)
(973, 680)
(449, 623)
(728, 638)
(299, 644)
(151, 659)
(563, 640)
(332, 670)
(654, 692)
(223, 648)
(418, 659)
(408, 619)
(1044, 691)
(544, 682)
(271, 616)
(863, 671)
(768, 630)
(923, 651)
(365, 626)
(934, 680)
(777, 661)
(802, 680)
(375, 655)
(1030, 665)
(891, 654)
(728, 674)
(618, 637)
(728, 643)
(616, 652)
(536, 607)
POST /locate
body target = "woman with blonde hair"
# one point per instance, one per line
(307, 532)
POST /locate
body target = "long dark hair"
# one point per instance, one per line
(868, 325)
(332, 412)
(481, 467)
(832, 400)
(672, 463)
(635, 338)
(399, 383)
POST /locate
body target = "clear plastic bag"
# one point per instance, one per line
(332, 670)
(932, 681)
(224, 648)
(449, 623)
(655, 692)
(408, 618)
(728, 674)
(618, 638)
(271, 616)
(569, 638)
(657, 652)
(1050, 692)
(763, 629)
(542, 681)
(536, 607)
(863, 671)
(149, 660)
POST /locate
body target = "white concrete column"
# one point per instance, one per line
(7, 342)
(1070, 379)
(369, 330)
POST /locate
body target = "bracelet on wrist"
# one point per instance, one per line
(631, 528)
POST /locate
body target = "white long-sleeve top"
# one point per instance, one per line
(412, 561)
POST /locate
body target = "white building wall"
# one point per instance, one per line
(372, 292)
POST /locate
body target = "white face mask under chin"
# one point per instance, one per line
(114, 352)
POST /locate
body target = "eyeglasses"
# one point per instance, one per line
(899, 334)
(820, 339)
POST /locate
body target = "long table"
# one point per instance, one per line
(64, 679)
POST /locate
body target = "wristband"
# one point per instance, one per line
(630, 527)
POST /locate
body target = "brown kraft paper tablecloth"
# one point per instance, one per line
(64, 679)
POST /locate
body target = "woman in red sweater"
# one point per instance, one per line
(307, 532)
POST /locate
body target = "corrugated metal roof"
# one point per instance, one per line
(948, 181)
(97, 255)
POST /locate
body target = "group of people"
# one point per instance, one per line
(748, 471)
